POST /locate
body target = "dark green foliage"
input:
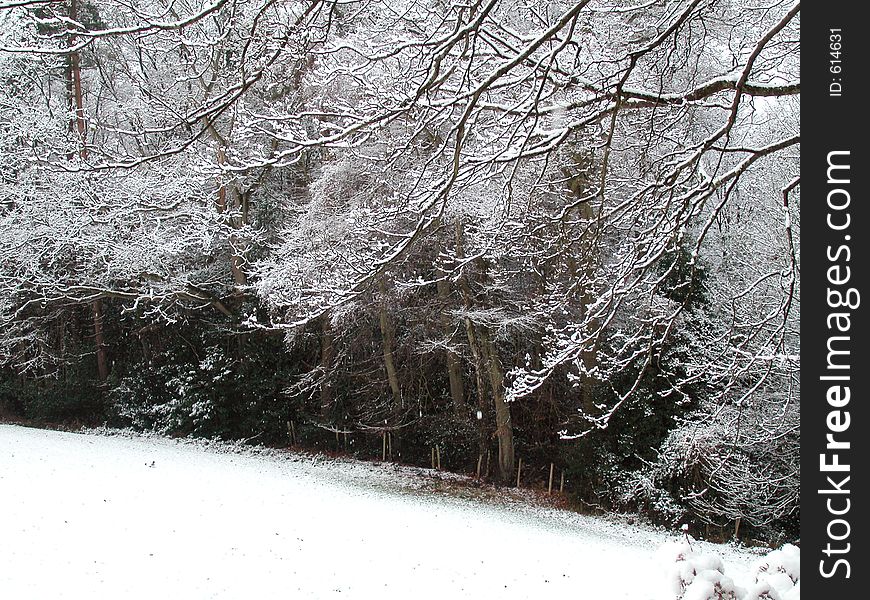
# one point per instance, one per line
(604, 465)
(599, 459)
(456, 439)
(232, 390)
(79, 401)
(684, 277)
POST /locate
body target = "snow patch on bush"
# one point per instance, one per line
(781, 568)
(695, 575)
(762, 591)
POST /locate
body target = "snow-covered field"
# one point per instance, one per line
(121, 517)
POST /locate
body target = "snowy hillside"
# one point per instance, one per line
(92, 516)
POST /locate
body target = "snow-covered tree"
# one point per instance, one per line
(587, 211)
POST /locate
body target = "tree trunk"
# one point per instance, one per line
(100, 340)
(473, 345)
(229, 198)
(503, 427)
(239, 220)
(580, 183)
(482, 405)
(74, 88)
(454, 365)
(76, 100)
(486, 359)
(327, 356)
(389, 342)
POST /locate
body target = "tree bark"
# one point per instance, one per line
(504, 432)
(74, 88)
(229, 198)
(327, 357)
(389, 342)
(474, 347)
(482, 405)
(454, 365)
(238, 221)
(580, 184)
(76, 100)
(486, 360)
(100, 340)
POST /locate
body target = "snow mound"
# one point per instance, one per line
(781, 568)
(712, 585)
(794, 593)
(762, 591)
(695, 575)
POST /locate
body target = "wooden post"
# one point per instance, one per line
(344, 435)
(519, 471)
(562, 483)
(390, 445)
(550, 485)
(433, 458)
(487, 463)
(293, 431)
(438, 456)
(479, 462)
(384, 451)
(736, 527)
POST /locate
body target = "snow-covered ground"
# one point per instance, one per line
(123, 517)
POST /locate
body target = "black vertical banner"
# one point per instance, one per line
(834, 298)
